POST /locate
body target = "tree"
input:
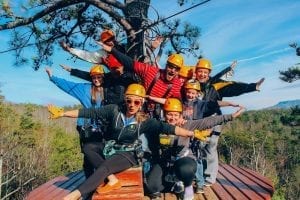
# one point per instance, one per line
(293, 73)
(79, 22)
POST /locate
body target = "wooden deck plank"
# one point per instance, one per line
(257, 178)
(220, 191)
(254, 182)
(242, 185)
(229, 186)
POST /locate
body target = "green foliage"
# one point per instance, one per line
(266, 141)
(34, 149)
(65, 156)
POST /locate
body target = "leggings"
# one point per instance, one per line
(185, 170)
(113, 164)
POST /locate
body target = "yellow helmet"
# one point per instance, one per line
(175, 60)
(136, 89)
(96, 69)
(186, 71)
(204, 63)
(192, 84)
(173, 105)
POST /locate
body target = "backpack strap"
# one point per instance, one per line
(154, 81)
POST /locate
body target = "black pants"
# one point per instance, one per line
(185, 169)
(153, 181)
(87, 145)
(113, 164)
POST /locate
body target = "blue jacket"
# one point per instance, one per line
(81, 91)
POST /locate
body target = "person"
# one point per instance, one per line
(214, 88)
(195, 108)
(115, 82)
(183, 161)
(162, 83)
(90, 96)
(98, 57)
(126, 123)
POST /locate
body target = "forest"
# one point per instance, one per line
(35, 149)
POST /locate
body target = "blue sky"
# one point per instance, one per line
(255, 33)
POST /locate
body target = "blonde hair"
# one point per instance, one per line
(96, 92)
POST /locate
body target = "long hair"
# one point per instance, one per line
(96, 92)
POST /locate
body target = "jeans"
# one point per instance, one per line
(199, 173)
(212, 159)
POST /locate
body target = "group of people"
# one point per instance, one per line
(167, 120)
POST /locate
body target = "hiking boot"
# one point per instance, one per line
(199, 190)
(155, 196)
(178, 187)
(207, 184)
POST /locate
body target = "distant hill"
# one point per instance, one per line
(286, 104)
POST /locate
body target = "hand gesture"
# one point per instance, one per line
(49, 71)
(238, 112)
(104, 46)
(64, 46)
(202, 134)
(65, 67)
(55, 112)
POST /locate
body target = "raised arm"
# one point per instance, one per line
(157, 99)
(77, 73)
(126, 61)
(224, 71)
(209, 122)
(227, 103)
(92, 57)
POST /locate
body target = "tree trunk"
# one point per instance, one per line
(136, 13)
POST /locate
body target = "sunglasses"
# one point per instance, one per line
(135, 102)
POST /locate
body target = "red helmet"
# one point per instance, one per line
(106, 35)
(112, 62)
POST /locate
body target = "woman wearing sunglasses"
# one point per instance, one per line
(125, 123)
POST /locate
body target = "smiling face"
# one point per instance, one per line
(202, 75)
(97, 79)
(171, 72)
(172, 117)
(191, 94)
(133, 104)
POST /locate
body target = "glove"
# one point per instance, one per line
(202, 134)
(55, 112)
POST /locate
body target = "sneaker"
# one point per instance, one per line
(207, 184)
(155, 196)
(108, 188)
(188, 193)
(178, 187)
(199, 190)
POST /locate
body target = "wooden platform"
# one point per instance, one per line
(232, 183)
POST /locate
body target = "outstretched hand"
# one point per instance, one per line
(202, 134)
(64, 46)
(104, 46)
(239, 111)
(49, 71)
(65, 67)
(234, 63)
(55, 112)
